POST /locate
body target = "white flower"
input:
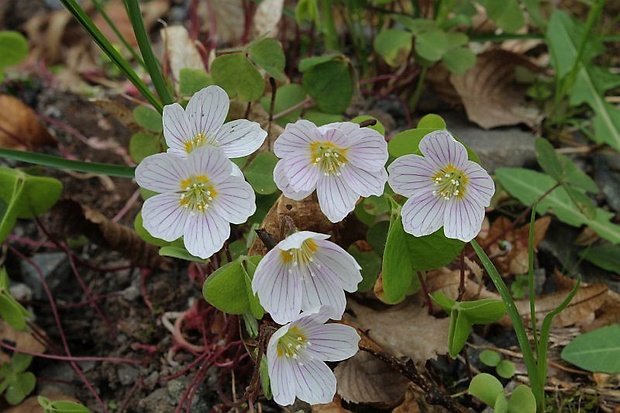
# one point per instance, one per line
(296, 354)
(305, 271)
(202, 123)
(198, 199)
(444, 188)
(341, 161)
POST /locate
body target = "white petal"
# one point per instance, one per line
(207, 111)
(235, 200)
(177, 130)
(480, 186)
(423, 215)
(280, 375)
(410, 174)
(337, 137)
(441, 149)
(162, 172)
(363, 182)
(210, 161)
(301, 174)
(236, 171)
(315, 383)
(164, 217)
(205, 233)
(282, 182)
(463, 220)
(368, 149)
(332, 342)
(296, 239)
(339, 265)
(240, 138)
(296, 137)
(335, 198)
(345, 127)
(319, 291)
(278, 290)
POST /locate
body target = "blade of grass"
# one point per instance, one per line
(78, 13)
(152, 64)
(61, 163)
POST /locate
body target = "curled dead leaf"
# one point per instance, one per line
(335, 406)
(267, 17)
(19, 127)
(21, 340)
(181, 50)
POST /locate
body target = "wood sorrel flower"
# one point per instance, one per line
(296, 356)
(341, 161)
(304, 271)
(444, 188)
(202, 123)
(198, 198)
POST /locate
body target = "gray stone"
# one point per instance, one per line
(501, 147)
(127, 374)
(55, 269)
(607, 177)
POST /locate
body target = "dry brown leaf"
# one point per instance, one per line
(404, 330)
(21, 340)
(19, 126)
(181, 50)
(267, 17)
(415, 403)
(72, 218)
(490, 93)
(228, 17)
(335, 406)
(447, 281)
(366, 379)
(119, 112)
(607, 314)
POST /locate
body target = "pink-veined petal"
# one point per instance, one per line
(282, 183)
(463, 220)
(177, 129)
(164, 217)
(410, 174)
(296, 239)
(210, 161)
(280, 375)
(367, 150)
(480, 186)
(300, 173)
(315, 383)
(296, 137)
(319, 290)
(332, 342)
(363, 182)
(240, 138)
(205, 233)
(335, 136)
(162, 172)
(345, 127)
(339, 265)
(236, 171)
(335, 198)
(423, 215)
(278, 289)
(207, 111)
(441, 149)
(235, 200)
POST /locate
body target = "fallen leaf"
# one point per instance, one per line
(181, 50)
(19, 126)
(21, 340)
(267, 17)
(415, 403)
(366, 379)
(404, 330)
(335, 406)
(227, 16)
(490, 93)
(607, 314)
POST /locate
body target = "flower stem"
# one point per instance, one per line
(413, 102)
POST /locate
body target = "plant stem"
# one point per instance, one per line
(78, 13)
(152, 65)
(329, 26)
(61, 163)
(530, 278)
(415, 98)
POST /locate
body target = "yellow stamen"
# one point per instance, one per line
(450, 182)
(329, 157)
(197, 193)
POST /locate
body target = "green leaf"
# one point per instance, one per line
(260, 173)
(393, 46)
(268, 54)
(377, 236)
(287, 96)
(581, 201)
(377, 126)
(238, 76)
(522, 400)
(459, 60)
(148, 118)
(256, 308)
(483, 311)
(416, 26)
(406, 142)
(575, 176)
(548, 159)
(370, 262)
(61, 406)
(432, 45)
(486, 388)
(505, 13)
(432, 251)
(320, 118)
(145, 235)
(264, 378)
(310, 62)
(490, 358)
(505, 369)
(330, 84)
(443, 301)
(307, 11)
(432, 122)
(398, 271)
(143, 144)
(32, 195)
(20, 362)
(12, 312)
(460, 328)
(501, 404)
(606, 256)
(225, 289)
(193, 80)
(376, 205)
(14, 48)
(181, 253)
(528, 186)
(20, 388)
(596, 351)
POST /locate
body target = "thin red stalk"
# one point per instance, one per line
(144, 273)
(32, 243)
(132, 199)
(69, 358)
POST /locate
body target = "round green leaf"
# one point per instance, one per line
(148, 118)
(483, 311)
(330, 84)
(20, 388)
(193, 80)
(432, 45)
(393, 46)
(225, 289)
(398, 272)
(268, 54)
(459, 60)
(176, 251)
(321, 118)
(522, 400)
(238, 76)
(11, 313)
(505, 369)
(256, 308)
(370, 262)
(486, 388)
(432, 251)
(260, 173)
(377, 126)
(490, 358)
(287, 96)
(432, 121)
(14, 48)
(596, 351)
(143, 144)
(460, 328)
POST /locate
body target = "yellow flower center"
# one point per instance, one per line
(198, 141)
(197, 193)
(450, 182)
(302, 255)
(292, 344)
(328, 157)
